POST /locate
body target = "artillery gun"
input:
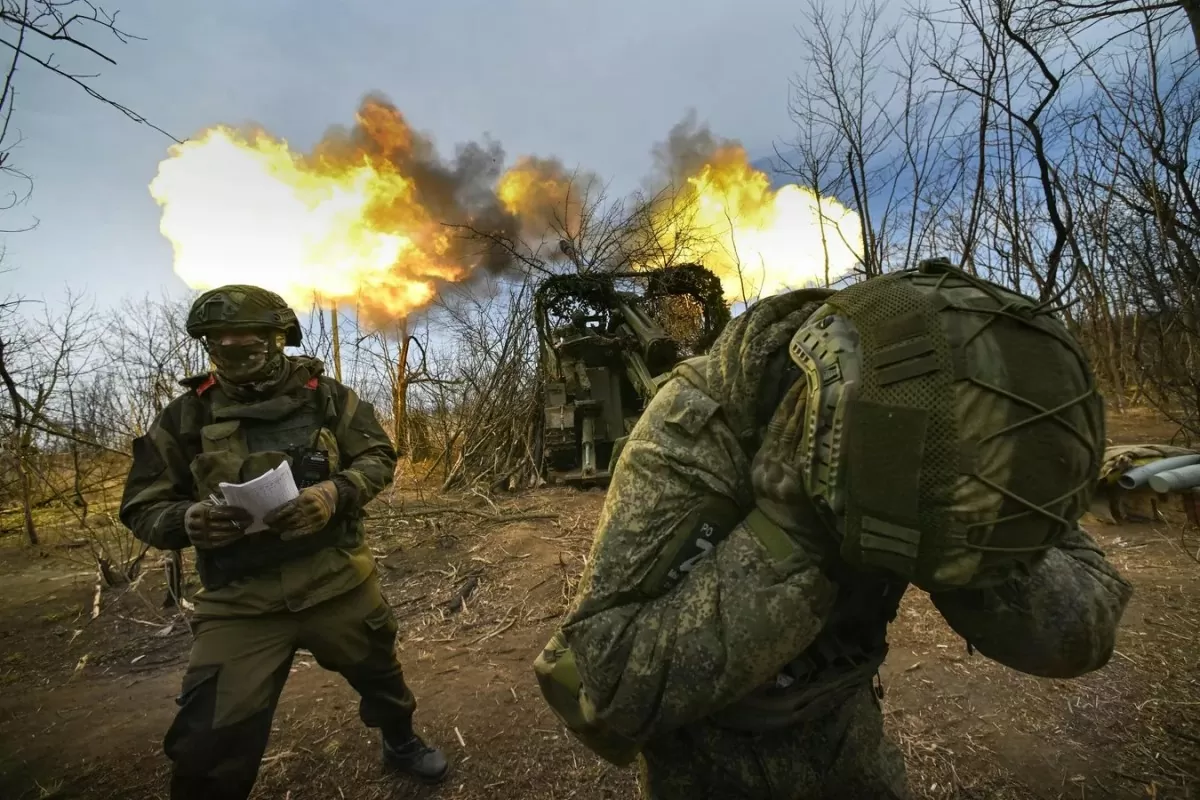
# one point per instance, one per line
(607, 341)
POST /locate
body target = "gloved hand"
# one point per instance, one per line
(209, 525)
(307, 514)
(777, 477)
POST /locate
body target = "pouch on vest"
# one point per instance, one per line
(563, 691)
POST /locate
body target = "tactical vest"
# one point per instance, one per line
(238, 442)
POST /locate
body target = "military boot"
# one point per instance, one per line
(413, 757)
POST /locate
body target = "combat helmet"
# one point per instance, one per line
(242, 306)
(954, 430)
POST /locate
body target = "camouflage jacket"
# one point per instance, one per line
(204, 437)
(652, 663)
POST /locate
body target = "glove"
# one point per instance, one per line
(209, 525)
(307, 514)
(778, 480)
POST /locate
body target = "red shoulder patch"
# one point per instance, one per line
(312, 383)
(210, 382)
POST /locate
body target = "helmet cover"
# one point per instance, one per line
(238, 306)
(954, 428)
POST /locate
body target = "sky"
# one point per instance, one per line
(596, 85)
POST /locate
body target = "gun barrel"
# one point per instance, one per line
(1136, 478)
(1176, 480)
(640, 375)
(658, 349)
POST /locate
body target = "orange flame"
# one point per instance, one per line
(362, 219)
(544, 195)
(343, 224)
(759, 241)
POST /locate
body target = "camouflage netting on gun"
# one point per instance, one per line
(688, 301)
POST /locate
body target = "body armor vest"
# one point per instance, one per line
(238, 442)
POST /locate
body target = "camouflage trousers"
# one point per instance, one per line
(843, 755)
(237, 670)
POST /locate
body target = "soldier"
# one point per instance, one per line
(778, 497)
(308, 581)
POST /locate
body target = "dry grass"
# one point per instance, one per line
(478, 586)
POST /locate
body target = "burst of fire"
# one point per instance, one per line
(759, 241)
(341, 225)
(543, 195)
(725, 215)
(362, 219)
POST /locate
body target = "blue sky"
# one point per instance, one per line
(594, 85)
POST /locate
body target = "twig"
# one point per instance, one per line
(495, 632)
(470, 513)
(96, 597)
(459, 602)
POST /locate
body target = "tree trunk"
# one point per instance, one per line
(1192, 9)
(19, 450)
(77, 462)
(26, 499)
(337, 341)
(400, 394)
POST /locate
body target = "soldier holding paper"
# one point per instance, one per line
(308, 581)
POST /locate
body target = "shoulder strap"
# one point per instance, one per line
(326, 400)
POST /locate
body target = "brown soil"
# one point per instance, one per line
(85, 702)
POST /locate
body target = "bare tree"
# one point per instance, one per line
(39, 32)
(1143, 124)
(873, 125)
(149, 352)
(840, 92)
(481, 386)
(581, 228)
(35, 368)
(1072, 16)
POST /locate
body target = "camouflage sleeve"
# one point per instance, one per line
(368, 458)
(651, 661)
(1058, 621)
(159, 486)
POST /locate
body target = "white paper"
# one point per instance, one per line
(263, 494)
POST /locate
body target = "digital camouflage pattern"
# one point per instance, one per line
(742, 629)
(841, 755)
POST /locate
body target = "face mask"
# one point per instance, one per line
(244, 358)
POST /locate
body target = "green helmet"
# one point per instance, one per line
(954, 429)
(241, 306)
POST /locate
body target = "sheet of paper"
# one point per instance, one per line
(263, 494)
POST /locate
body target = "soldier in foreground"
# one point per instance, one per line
(309, 581)
(778, 497)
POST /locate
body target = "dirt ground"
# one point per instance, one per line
(85, 702)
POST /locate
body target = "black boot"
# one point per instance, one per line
(414, 757)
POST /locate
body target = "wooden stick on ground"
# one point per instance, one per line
(96, 598)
